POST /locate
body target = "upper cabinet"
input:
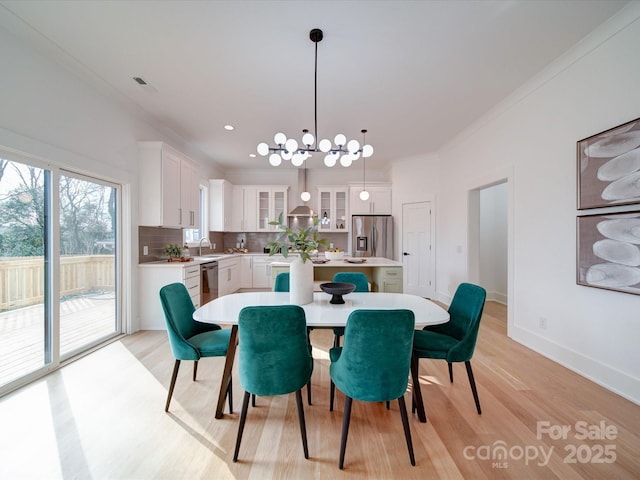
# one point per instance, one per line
(272, 202)
(169, 187)
(220, 205)
(333, 209)
(379, 201)
(244, 212)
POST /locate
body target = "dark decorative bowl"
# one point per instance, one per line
(337, 289)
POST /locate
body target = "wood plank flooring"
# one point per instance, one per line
(102, 417)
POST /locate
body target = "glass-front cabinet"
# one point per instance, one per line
(333, 209)
(272, 201)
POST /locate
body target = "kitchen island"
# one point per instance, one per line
(384, 275)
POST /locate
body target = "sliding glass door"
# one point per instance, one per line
(88, 221)
(25, 319)
(59, 267)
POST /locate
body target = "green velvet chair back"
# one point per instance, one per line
(274, 356)
(357, 278)
(465, 312)
(373, 363)
(178, 314)
(282, 282)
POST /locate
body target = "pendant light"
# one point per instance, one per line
(289, 149)
(364, 195)
(305, 196)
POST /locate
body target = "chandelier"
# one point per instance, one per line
(289, 149)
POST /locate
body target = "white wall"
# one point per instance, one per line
(414, 179)
(532, 138)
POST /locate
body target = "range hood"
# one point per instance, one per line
(301, 210)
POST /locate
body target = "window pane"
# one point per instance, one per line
(24, 326)
(88, 219)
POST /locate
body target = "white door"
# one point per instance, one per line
(417, 249)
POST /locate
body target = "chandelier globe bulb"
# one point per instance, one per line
(275, 160)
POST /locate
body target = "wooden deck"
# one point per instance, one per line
(83, 320)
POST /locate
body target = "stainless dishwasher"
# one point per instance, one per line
(208, 282)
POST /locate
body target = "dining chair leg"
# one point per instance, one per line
(243, 418)
(303, 425)
(472, 382)
(450, 371)
(311, 353)
(195, 369)
(407, 429)
(253, 400)
(226, 372)
(418, 403)
(336, 341)
(230, 395)
(388, 405)
(345, 430)
(332, 394)
(174, 375)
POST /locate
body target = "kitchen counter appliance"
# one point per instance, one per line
(208, 282)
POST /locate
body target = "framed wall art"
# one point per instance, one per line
(609, 167)
(609, 251)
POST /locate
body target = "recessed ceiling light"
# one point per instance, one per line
(252, 155)
(229, 127)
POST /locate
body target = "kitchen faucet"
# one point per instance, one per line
(200, 245)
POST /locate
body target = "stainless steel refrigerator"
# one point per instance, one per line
(372, 236)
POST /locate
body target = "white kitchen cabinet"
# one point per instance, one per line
(333, 209)
(152, 277)
(189, 195)
(379, 201)
(271, 202)
(246, 271)
(220, 205)
(244, 201)
(169, 187)
(262, 271)
(228, 275)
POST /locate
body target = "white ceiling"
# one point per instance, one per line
(414, 73)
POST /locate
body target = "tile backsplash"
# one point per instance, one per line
(155, 239)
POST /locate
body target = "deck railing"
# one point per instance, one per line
(22, 278)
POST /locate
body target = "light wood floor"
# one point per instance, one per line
(102, 418)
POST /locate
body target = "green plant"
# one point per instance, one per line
(173, 250)
(303, 241)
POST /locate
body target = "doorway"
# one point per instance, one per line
(417, 249)
(488, 240)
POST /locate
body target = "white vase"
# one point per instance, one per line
(300, 282)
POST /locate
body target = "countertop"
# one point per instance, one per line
(370, 262)
(277, 260)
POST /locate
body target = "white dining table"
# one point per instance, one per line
(320, 313)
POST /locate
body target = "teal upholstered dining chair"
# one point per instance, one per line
(361, 282)
(282, 282)
(190, 340)
(454, 341)
(373, 365)
(273, 361)
(282, 285)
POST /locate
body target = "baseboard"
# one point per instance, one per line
(610, 378)
(497, 297)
